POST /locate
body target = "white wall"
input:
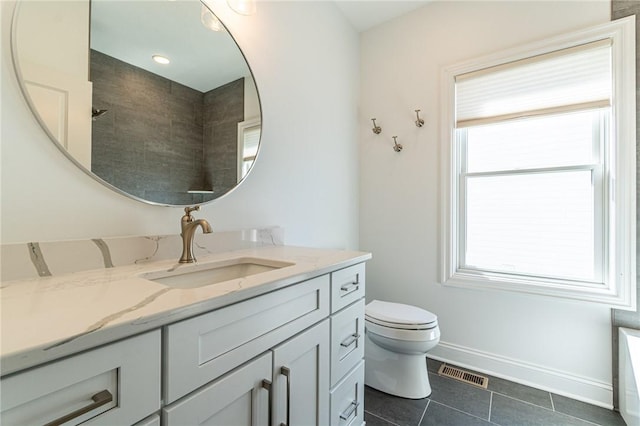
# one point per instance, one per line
(560, 345)
(306, 175)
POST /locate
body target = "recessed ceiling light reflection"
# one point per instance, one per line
(161, 59)
(209, 20)
(243, 7)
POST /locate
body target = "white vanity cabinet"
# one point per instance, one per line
(117, 384)
(202, 349)
(288, 383)
(291, 356)
(295, 355)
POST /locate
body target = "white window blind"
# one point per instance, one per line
(251, 140)
(563, 80)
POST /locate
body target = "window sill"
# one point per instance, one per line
(587, 292)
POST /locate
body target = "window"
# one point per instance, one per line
(539, 168)
(248, 140)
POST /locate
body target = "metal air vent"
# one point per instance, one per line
(463, 376)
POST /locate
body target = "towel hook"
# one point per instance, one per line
(419, 121)
(397, 147)
(376, 129)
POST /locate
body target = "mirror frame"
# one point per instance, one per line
(39, 119)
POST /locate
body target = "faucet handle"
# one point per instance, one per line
(187, 213)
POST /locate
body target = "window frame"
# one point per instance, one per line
(618, 288)
(243, 126)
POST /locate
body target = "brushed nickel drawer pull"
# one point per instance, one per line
(350, 340)
(287, 373)
(350, 410)
(99, 399)
(266, 384)
(349, 286)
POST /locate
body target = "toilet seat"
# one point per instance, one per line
(399, 316)
(407, 335)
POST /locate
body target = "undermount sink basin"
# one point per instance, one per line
(201, 275)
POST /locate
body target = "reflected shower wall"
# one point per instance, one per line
(160, 139)
(223, 110)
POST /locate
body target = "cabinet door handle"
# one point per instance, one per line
(350, 340)
(266, 384)
(348, 286)
(350, 410)
(99, 399)
(286, 372)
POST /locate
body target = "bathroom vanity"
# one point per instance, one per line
(158, 344)
(268, 335)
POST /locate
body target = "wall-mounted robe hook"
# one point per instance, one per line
(419, 121)
(397, 147)
(376, 129)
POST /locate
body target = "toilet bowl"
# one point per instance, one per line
(397, 340)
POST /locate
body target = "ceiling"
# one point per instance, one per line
(365, 14)
(133, 31)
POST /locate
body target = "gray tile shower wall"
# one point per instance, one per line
(151, 143)
(621, 9)
(223, 110)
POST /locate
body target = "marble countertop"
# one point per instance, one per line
(51, 317)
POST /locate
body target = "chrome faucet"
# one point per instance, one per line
(188, 225)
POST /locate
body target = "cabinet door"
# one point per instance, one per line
(240, 398)
(301, 378)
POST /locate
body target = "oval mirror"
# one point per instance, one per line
(152, 98)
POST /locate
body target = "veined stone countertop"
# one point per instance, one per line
(51, 317)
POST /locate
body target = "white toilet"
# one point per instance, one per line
(398, 338)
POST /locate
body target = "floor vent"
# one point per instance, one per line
(463, 376)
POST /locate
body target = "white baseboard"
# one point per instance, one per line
(540, 377)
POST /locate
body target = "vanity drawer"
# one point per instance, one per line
(347, 286)
(347, 399)
(203, 348)
(116, 384)
(347, 340)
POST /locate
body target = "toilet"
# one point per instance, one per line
(397, 340)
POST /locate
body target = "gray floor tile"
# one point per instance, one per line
(585, 411)
(460, 396)
(373, 420)
(521, 392)
(441, 415)
(506, 411)
(459, 404)
(508, 388)
(401, 411)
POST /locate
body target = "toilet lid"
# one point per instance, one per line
(397, 313)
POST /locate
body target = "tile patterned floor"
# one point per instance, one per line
(504, 403)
